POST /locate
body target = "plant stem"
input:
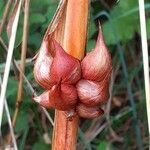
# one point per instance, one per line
(76, 28)
(23, 58)
(65, 131)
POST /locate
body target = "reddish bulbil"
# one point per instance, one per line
(70, 85)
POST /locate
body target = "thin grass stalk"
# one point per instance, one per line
(8, 60)
(145, 58)
(28, 63)
(87, 144)
(9, 121)
(65, 131)
(23, 58)
(10, 126)
(22, 64)
(13, 63)
(4, 18)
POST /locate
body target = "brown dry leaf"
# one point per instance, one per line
(56, 27)
(11, 19)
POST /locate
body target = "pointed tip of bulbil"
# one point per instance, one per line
(37, 99)
(99, 26)
(98, 62)
(100, 39)
(43, 99)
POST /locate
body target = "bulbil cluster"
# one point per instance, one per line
(72, 84)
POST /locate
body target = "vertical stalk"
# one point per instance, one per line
(5, 14)
(22, 64)
(145, 59)
(76, 27)
(23, 58)
(65, 131)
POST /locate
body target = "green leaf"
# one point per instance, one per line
(23, 139)
(5, 119)
(41, 146)
(49, 15)
(148, 28)
(19, 36)
(11, 90)
(104, 146)
(124, 22)
(22, 122)
(2, 7)
(91, 31)
(39, 5)
(37, 18)
(35, 39)
(90, 45)
(51, 10)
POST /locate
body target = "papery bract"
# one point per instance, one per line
(89, 112)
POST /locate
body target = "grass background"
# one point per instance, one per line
(125, 125)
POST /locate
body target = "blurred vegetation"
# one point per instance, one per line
(119, 130)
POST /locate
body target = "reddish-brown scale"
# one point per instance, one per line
(92, 93)
(42, 67)
(64, 66)
(54, 98)
(89, 112)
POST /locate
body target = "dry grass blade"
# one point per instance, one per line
(8, 60)
(9, 121)
(10, 126)
(11, 19)
(57, 21)
(108, 108)
(145, 58)
(28, 62)
(13, 63)
(7, 8)
(23, 58)
(48, 116)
